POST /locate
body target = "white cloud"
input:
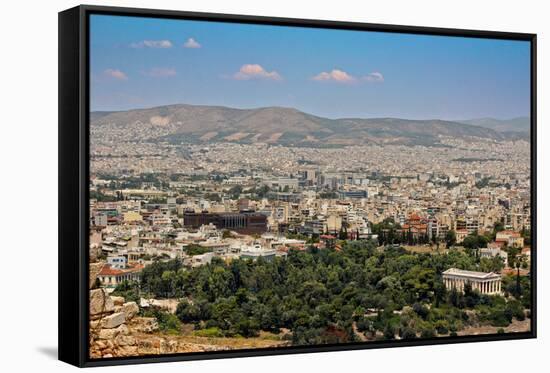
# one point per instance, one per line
(115, 74)
(191, 43)
(255, 71)
(340, 76)
(374, 77)
(152, 44)
(335, 75)
(160, 72)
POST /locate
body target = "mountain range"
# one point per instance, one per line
(290, 127)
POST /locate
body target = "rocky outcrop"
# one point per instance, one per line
(130, 309)
(146, 324)
(113, 320)
(113, 333)
(95, 268)
(101, 304)
(110, 326)
(118, 301)
(116, 330)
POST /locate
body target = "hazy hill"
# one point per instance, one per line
(276, 125)
(520, 124)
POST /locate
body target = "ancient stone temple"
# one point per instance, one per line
(485, 283)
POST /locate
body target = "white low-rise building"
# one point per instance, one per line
(492, 251)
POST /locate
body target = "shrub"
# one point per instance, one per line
(209, 332)
(516, 309)
(168, 322)
(442, 326)
(389, 332)
(501, 317)
(427, 333)
(407, 333)
(421, 310)
(188, 312)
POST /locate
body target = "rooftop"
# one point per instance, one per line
(471, 274)
(107, 270)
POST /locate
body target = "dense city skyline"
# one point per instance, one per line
(143, 62)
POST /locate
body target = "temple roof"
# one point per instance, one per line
(471, 274)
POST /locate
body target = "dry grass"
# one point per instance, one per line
(424, 249)
(233, 343)
(515, 327)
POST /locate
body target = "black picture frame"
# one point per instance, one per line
(74, 177)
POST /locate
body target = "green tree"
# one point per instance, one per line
(450, 238)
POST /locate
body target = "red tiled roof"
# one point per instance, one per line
(509, 233)
(107, 270)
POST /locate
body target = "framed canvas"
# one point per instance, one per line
(235, 186)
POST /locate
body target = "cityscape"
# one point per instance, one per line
(226, 226)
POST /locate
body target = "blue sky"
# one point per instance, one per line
(144, 62)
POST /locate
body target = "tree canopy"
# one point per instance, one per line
(327, 296)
